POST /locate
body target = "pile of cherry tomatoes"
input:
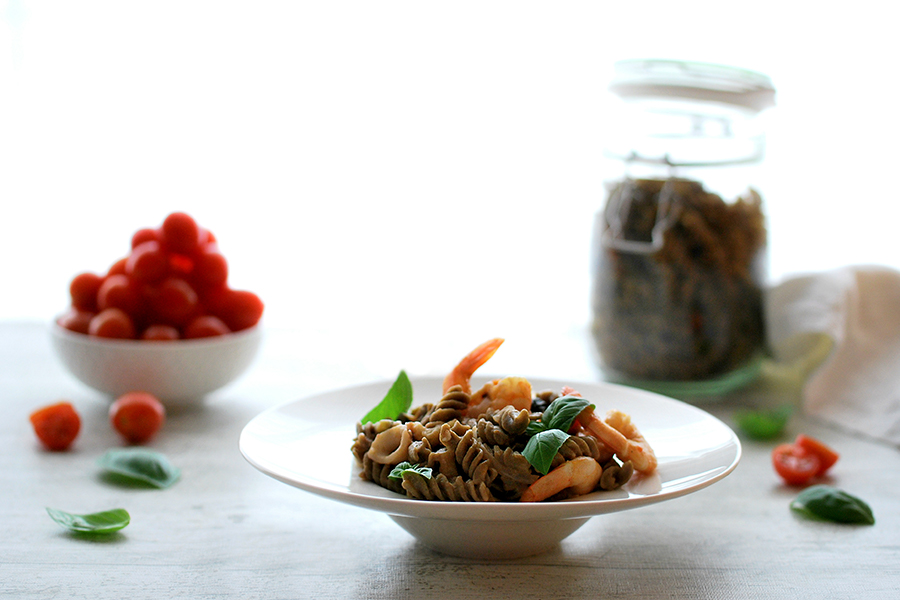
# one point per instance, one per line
(173, 285)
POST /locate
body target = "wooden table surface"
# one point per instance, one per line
(227, 531)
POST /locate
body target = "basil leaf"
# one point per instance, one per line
(107, 521)
(832, 504)
(405, 467)
(763, 424)
(562, 412)
(140, 464)
(398, 400)
(541, 448)
(534, 428)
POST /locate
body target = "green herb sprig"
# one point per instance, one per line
(550, 433)
(406, 467)
(397, 401)
(141, 465)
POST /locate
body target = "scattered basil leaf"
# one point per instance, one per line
(398, 400)
(763, 424)
(107, 521)
(563, 411)
(140, 464)
(832, 504)
(405, 467)
(541, 448)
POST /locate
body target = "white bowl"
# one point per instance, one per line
(177, 372)
(288, 442)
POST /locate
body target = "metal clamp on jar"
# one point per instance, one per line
(679, 253)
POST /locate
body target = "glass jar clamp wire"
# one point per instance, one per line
(679, 248)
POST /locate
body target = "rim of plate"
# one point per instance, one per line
(266, 453)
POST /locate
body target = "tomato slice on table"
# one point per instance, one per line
(827, 456)
(796, 465)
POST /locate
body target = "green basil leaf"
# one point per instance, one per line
(763, 424)
(541, 448)
(398, 400)
(534, 428)
(405, 467)
(832, 504)
(562, 412)
(140, 464)
(107, 521)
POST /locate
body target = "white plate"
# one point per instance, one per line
(302, 444)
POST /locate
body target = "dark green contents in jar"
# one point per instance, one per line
(678, 283)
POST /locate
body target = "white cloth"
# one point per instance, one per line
(843, 327)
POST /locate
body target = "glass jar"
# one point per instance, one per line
(679, 249)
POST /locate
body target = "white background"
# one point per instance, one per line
(407, 170)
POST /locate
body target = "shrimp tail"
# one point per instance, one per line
(462, 373)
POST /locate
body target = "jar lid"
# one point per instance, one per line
(692, 80)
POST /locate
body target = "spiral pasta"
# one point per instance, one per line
(437, 452)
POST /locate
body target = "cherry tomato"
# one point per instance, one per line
(827, 456)
(147, 263)
(211, 268)
(83, 291)
(175, 302)
(118, 267)
(112, 323)
(137, 416)
(57, 425)
(239, 309)
(205, 326)
(160, 333)
(76, 320)
(181, 265)
(145, 235)
(117, 291)
(180, 233)
(794, 464)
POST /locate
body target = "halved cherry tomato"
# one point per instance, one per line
(83, 291)
(137, 416)
(180, 233)
(57, 425)
(827, 456)
(112, 323)
(794, 464)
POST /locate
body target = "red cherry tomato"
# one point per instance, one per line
(145, 235)
(239, 309)
(147, 263)
(180, 265)
(76, 320)
(180, 233)
(827, 456)
(211, 268)
(160, 333)
(83, 290)
(57, 425)
(118, 267)
(137, 416)
(205, 326)
(175, 302)
(112, 323)
(117, 291)
(794, 464)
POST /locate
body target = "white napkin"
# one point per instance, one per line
(842, 329)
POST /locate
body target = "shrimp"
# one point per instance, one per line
(514, 391)
(462, 373)
(622, 436)
(579, 476)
